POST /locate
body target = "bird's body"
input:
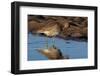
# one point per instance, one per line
(50, 30)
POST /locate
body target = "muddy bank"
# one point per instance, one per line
(63, 27)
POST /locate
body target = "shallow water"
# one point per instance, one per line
(72, 48)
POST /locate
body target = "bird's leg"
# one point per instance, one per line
(53, 40)
(46, 42)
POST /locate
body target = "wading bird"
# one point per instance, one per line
(50, 30)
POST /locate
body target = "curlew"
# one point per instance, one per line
(50, 30)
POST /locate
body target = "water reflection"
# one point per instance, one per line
(73, 48)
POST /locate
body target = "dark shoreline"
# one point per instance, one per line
(79, 39)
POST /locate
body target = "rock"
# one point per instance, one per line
(37, 18)
(59, 25)
(77, 34)
(78, 21)
(34, 26)
(85, 31)
(72, 31)
(63, 23)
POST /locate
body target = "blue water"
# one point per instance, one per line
(72, 48)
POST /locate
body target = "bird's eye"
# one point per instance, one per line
(42, 34)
